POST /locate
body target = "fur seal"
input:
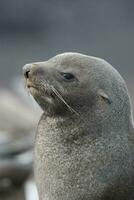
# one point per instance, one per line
(84, 143)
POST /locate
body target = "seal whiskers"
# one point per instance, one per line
(61, 98)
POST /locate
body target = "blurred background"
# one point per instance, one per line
(36, 30)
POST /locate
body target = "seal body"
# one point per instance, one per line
(80, 167)
(84, 142)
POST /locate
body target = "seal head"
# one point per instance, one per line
(75, 82)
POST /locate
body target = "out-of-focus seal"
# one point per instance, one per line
(84, 147)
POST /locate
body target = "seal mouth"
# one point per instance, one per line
(37, 91)
(31, 86)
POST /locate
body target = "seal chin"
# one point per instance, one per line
(33, 91)
(42, 97)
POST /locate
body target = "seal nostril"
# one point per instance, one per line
(26, 70)
(26, 74)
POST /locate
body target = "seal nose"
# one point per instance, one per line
(26, 70)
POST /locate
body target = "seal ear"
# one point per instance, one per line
(104, 96)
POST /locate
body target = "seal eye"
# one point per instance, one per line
(68, 76)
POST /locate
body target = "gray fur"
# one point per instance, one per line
(88, 156)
